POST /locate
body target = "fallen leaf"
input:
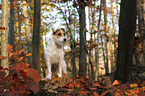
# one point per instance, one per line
(34, 74)
(133, 85)
(20, 59)
(83, 93)
(21, 51)
(95, 94)
(34, 88)
(96, 84)
(24, 74)
(30, 54)
(104, 93)
(116, 82)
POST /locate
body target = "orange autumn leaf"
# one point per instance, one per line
(104, 93)
(143, 88)
(2, 57)
(54, 80)
(96, 84)
(83, 92)
(34, 74)
(71, 85)
(95, 94)
(30, 54)
(116, 82)
(21, 51)
(20, 59)
(127, 93)
(133, 85)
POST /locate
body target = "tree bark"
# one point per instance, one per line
(82, 33)
(4, 34)
(11, 25)
(141, 19)
(106, 37)
(127, 28)
(27, 28)
(36, 35)
(98, 40)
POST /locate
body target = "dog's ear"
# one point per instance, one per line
(62, 29)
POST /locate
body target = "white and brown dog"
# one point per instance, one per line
(54, 54)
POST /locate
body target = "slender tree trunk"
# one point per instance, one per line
(106, 38)
(27, 29)
(19, 26)
(73, 54)
(82, 56)
(72, 44)
(36, 35)
(127, 28)
(4, 34)
(114, 41)
(98, 40)
(141, 19)
(90, 54)
(11, 25)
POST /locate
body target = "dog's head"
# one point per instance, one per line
(59, 35)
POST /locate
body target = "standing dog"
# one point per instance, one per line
(54, 54)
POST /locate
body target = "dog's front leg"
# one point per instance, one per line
(64, 67)
(49, 69)
(60, 69)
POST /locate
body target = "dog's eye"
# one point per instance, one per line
(59, 34)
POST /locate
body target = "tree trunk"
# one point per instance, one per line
(11, 25)
(106, 37)
(4, 34)
(127, 28)
(141, 19)
(98, 40)
(27, 29)
(19, 26)
(36, 35)
(114, 42)
(82, 56)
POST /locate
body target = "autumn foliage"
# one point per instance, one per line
(22, 79)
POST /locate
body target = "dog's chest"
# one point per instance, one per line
(54, 52)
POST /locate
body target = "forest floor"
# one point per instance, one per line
(86, 87)
(23, 80)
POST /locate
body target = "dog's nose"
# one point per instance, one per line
(64, 40)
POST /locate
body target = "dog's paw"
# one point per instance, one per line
(59, 75)
(47, 78)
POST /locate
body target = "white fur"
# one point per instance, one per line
(54, 54)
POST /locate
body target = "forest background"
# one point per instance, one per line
(99, 41)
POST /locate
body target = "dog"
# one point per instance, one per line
(54, 54)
